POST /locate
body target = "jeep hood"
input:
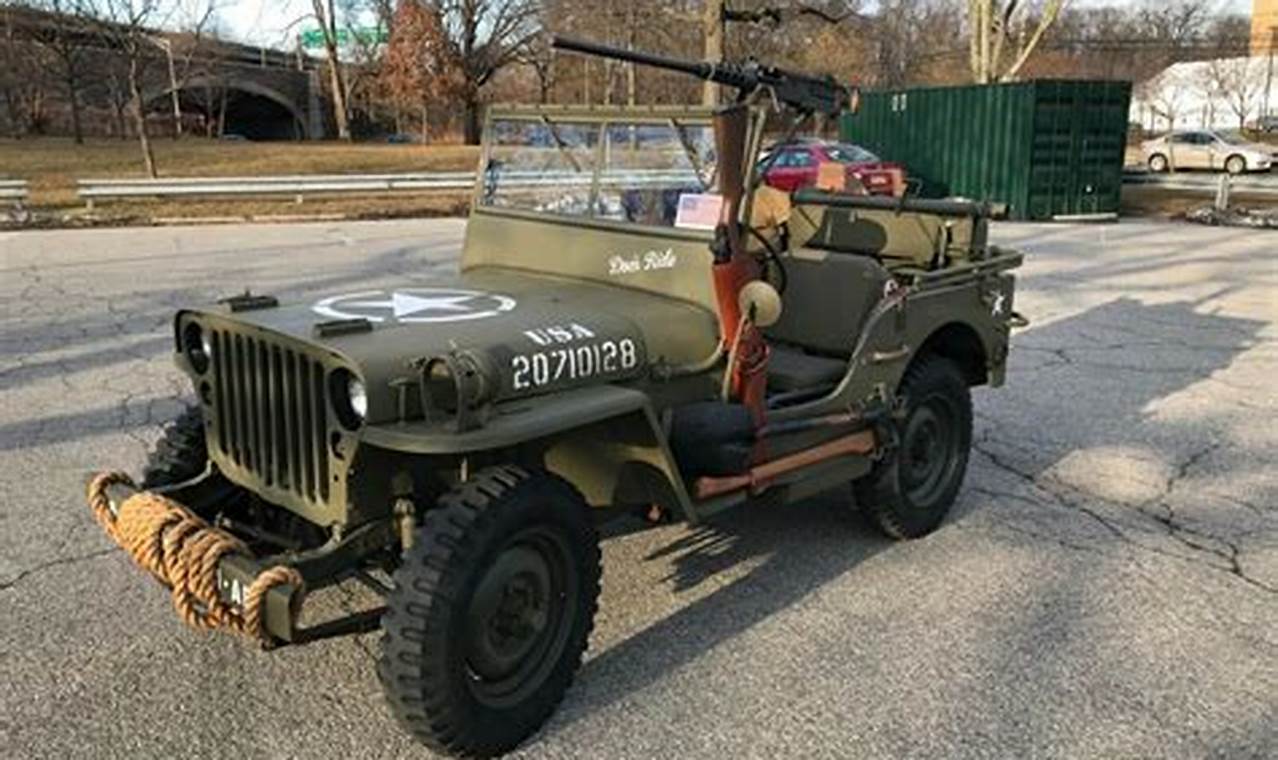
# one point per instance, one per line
(535, 333)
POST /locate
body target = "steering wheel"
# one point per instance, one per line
(772, 260)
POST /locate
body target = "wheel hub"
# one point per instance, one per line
(517, 619)
(927, 451)
(509, 611)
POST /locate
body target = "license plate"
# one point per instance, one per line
(232, 589)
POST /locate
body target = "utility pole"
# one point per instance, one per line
(1269, 69)
(713, 27)
(631, 31)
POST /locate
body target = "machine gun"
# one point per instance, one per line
(806, 94)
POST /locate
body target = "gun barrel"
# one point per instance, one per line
(695, 68)
(807, 93)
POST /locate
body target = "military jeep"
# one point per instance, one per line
(638, 328)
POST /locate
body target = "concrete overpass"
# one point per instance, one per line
(259, 93)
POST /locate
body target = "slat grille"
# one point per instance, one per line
(271, 413)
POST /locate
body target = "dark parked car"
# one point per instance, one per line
(798, 162)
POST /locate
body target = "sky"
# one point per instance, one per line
(275, 22)
(264, 22)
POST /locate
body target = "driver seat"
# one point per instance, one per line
(792, 369)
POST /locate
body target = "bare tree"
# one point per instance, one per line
(484, 37)
(712, 28)
(21, 86)
(65, 42)
(326, 16)
(1237, 81)
(129, 28)
(540, 57)
(25, 97)
(991, 23)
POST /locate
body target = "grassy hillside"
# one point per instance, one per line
(52, 165)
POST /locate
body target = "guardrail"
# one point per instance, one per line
(14, 190)
(303, 185)
(1205, 184)
(300, 186)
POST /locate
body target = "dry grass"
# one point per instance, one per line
(1165, 203)
(52, 165)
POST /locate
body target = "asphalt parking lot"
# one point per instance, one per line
(1106, 587)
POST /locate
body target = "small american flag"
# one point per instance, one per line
(699, 211)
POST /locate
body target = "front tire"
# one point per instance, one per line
(1158, 163)
(180, 454)
(909, 493)
(1235, 165)
(491, 612)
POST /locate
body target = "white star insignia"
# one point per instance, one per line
(406, 304)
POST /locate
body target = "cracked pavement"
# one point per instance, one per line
(1106, 586)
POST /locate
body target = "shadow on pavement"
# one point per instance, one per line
(799, 548)
(808, 545)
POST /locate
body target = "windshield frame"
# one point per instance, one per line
(606, 117)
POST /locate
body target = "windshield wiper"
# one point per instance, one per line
(561, 145)
(694, 159)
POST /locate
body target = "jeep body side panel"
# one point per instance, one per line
(964, 315)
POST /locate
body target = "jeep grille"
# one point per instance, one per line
(271, 414)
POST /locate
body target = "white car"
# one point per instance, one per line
(1207, 149)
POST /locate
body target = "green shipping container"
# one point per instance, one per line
(1046, 148)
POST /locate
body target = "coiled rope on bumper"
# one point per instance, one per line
(182, 551)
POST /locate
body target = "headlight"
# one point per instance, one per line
(358, 397)
(198, 347)
(349, 398)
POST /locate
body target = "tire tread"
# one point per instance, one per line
(451, 536)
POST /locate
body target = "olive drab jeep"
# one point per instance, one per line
(638, 327)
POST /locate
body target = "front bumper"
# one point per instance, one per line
(216, 581)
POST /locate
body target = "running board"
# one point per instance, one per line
(758, 477)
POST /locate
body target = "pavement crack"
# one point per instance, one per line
(1207, 549)
(1059, 498)
(24, 574)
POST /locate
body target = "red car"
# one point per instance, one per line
(797, 164)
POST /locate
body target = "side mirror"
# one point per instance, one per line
(760, 302)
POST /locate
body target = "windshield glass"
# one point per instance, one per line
(1231, 137)
(619, 170)
(846, 153)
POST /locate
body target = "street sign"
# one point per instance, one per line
(313, 39)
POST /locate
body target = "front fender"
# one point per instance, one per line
(605, 439)
(515, 422)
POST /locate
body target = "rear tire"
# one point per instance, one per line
(1158, 163)
(180, 454)
(491, 612)
(909, 493)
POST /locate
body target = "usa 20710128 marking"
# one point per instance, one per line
(573, 363)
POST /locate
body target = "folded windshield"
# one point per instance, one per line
(620, 170)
